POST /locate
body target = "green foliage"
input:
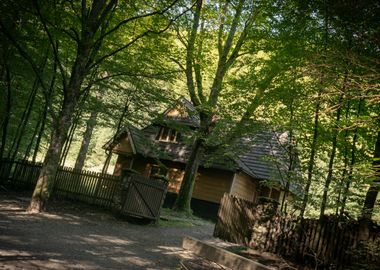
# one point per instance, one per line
(292, 53)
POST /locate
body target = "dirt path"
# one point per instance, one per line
(82, 238)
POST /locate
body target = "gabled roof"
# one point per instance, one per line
(187, 114)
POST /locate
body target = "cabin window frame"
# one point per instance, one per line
(167, 134)
(159, 171)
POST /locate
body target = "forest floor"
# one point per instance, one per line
(78, 236)
(73, 236)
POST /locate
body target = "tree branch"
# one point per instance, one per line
(147, 32)
(221, 28)
(157, 12)
(197, 66)
(24, 54)
(190, 52)
(235, 52)
(53, 45)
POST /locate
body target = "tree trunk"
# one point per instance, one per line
(21, 129)
(7, 112)
(334, 146)
(291, 155)
(332, 157)
(26, 114)
(370, 198)
(47, 104)
(349, 176)
(312, 155)
(183, 200)
(343, 177)
(73, 127)
(35, 131)
(45, 182)
(352, 162)
(91, 122)
(40, 132)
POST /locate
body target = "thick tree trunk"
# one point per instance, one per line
(370, 198)
(183, 200)
(313, 152)
(45, 182)
(91, 122)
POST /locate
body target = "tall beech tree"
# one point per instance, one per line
(235, 23)
(88, 25)
(234, 31)
(232, 25)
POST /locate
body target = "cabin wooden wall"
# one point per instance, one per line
(211, 184)
(124, 146)
(128, 162)
(122, 162)
(244, 186)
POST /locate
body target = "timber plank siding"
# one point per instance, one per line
(245, 187)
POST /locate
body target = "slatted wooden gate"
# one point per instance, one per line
(140, 197)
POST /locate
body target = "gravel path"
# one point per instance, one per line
(79, 237)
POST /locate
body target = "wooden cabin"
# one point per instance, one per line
(163, 147)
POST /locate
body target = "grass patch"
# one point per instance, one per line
(169, 218)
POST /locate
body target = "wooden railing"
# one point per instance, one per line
(329, 243)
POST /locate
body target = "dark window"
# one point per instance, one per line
(156, 170)
(167, 135)
(164, 134)
(275, 195)
(264, 191)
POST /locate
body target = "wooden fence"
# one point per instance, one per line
(79, 185)
(139, 197)
(328, 243)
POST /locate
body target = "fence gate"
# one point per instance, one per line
(140, 197)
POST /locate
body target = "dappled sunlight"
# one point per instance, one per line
(170, 250)
(132, 260)
(77, 238)
(10, 205)
(106, 239)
